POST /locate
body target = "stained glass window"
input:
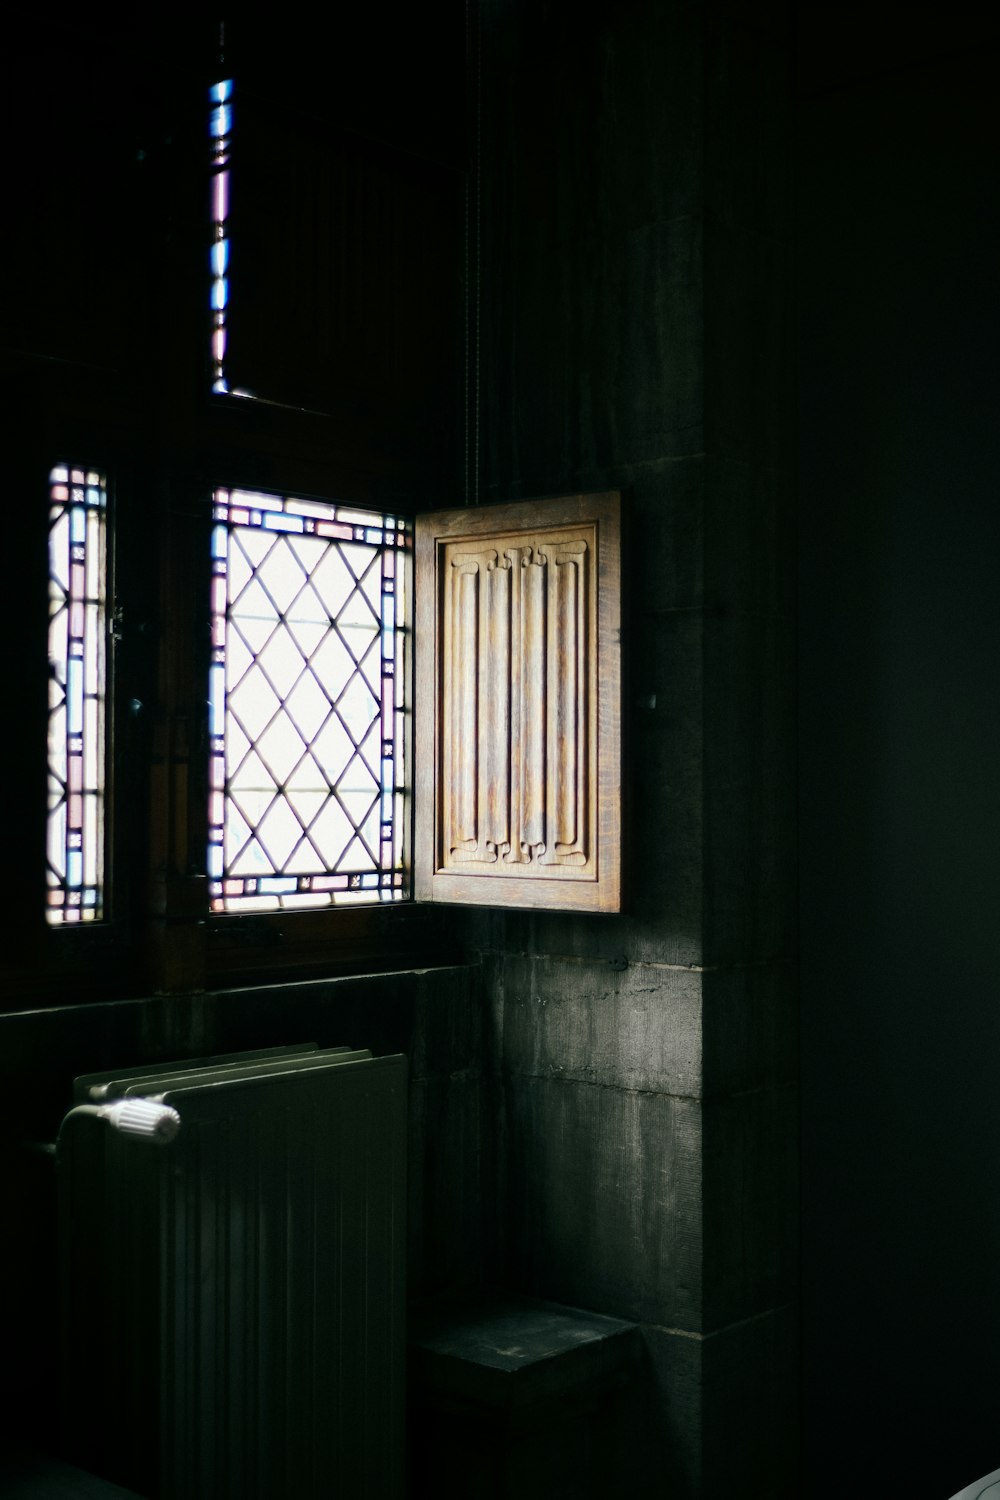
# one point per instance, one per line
(306, 704)
(220, 123)
(77, 687)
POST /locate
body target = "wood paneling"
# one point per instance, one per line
(518, 704)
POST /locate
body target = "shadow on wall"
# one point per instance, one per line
(900, 536)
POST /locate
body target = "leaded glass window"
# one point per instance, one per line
(306, 704)
(77, 693)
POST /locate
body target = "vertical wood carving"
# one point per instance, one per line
(570, 699)
(527, 739)
(513, 707)
(515, 719)
(495, 666)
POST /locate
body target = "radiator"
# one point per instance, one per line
(234, 1312)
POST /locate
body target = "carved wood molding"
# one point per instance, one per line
(518, 704)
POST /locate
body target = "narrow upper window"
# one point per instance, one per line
(77, 687)
(220, 123)
(306, 704)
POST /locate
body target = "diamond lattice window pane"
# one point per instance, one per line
(239, 658)
(252, 774)
(253, 630)
(306, 704)
(334, 747)
(308, 550)
(358, 558)
(358, 857)
(302, 860)
(237, 746)
(357, 706)
(307, 804)
(307, 777)
(282, 661)
(370, 748)
(358, 615)
(333, 581)
(309, 634)
(254, 702)
(331, 833)
(281, 747)
(371, 587)
(237, 830)
(371, 666)
(281, 575)
(279, 832)
(331, 660)
(240, 572)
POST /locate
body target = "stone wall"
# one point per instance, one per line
(636, 305)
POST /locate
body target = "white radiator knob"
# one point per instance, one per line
(153, 1122)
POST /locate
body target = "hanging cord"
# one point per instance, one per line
(473, 257)
(479, 242)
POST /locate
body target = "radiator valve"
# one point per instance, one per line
(149, 1121)
(157, 1123)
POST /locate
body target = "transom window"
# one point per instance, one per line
(220, 126)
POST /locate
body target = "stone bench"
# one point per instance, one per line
(514, 1397)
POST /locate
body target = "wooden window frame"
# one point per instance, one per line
(139, 406)
(159, 934)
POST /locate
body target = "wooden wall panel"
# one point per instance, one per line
(518, 688)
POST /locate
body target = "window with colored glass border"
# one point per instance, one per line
(307, 704)
(220, 121)
(77, 714)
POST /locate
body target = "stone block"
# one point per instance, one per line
(749, 1028)
(664, 544)
(608, 359)
(749, 790)
(451, 1184)
(750, 1375)
(675, 1407)
(726, 1407)
(749, 117)
(749, 1203)
(649, 146)
(449, 1022)
(749, 564)
(604, 1198)
(520, 1400)
(637, 1028)
(578, 112)
(747, 349)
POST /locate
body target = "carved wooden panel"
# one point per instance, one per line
(518, 713)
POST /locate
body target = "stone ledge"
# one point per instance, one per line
(506, 1352)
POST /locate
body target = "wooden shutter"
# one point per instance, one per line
(518, 704)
